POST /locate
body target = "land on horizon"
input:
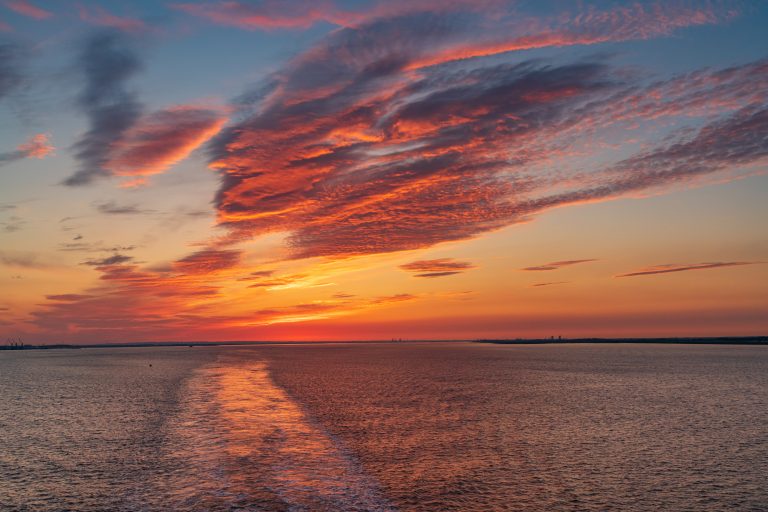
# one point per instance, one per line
(715, 340)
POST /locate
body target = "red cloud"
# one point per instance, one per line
(353, 153)
(161, 139)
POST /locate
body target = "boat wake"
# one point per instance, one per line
(241, 442)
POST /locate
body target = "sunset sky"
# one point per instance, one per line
(314, 170)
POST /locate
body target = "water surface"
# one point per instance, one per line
(454, 426)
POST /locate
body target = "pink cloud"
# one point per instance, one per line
(27, 9)
(162, 139)
(97, 15)
(37, 147)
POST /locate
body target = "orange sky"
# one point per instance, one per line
(414, 170)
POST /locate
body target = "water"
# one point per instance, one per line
(382, 427)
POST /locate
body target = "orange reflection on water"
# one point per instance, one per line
(268, 433)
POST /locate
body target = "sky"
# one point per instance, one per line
(415, 169)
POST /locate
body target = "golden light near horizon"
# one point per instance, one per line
(382, 169)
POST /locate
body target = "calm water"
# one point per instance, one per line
(385, 427)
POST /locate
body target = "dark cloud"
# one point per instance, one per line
(115, 259)
(676, 267)
(550, 283)
(114, 208)
(441, 267)
(557, 264)
(107, 60)
(94, 247)
(68, 297)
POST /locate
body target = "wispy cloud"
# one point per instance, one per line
(115, 259)
(28, 9)
(115, 208)
(267, 14)
(68, 297)
(552, 283)
(12, 224)
(22, 259)
(555, 265)
(161, 139)
(683, 267)
(353, 153)
(441, 267)
(97, 15)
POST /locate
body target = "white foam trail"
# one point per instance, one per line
(250, 443)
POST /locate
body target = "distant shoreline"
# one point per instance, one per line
(720, 340)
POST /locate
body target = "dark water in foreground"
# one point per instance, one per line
(385, 427)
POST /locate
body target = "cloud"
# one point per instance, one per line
(68, 297)
(107, 61)
(267, 14)
(115, 259)
(114, 208)
(177, 301)
(208, 261)
(441, 267)
(12, 225)
(555, 265)
(122, 140)
(22, 260)
(395, 132)
(675, 267)
(97, 15)
(94, 247)
(552, 283)
(37, 146)
(28, 9)
(351, 152)
(621, 23)
(161, 139)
